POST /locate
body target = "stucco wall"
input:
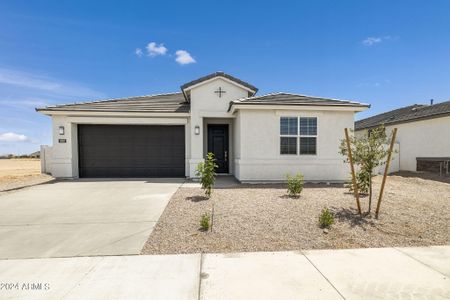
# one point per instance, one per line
(427, 138)
(259, 141)
(64, 162)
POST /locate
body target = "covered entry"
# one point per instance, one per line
(131, 151)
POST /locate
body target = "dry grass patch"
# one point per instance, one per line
(415, 212)
(16, 173)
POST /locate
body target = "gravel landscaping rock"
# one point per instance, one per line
(414, 212)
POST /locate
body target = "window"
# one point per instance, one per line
(298, 132)
(288, 135)
(308, 135)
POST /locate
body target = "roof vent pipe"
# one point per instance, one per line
(431, 101)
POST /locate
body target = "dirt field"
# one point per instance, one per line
(414, 212)
(15, 173)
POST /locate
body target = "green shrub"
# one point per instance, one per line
(362, 180)
(206, 171)
(205, 221)
(295, 184)
(326, 218)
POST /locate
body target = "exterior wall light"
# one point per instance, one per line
(61, 130)
(197, 130)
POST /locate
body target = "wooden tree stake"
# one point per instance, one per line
(386, 170)
(355, 184)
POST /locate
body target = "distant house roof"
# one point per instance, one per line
(406, 114)
(219, 74)
(163, 103)
(294, 99)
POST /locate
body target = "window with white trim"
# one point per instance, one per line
(298, 135)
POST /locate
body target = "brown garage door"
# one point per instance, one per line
(131, 151)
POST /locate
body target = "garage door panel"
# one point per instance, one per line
(131, 151)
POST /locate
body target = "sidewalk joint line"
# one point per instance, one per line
(421, 262)
(200, 276)
(83, 278)
(322, 274)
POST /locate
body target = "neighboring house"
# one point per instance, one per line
(35, 154)
(255, 138)
(423, 134)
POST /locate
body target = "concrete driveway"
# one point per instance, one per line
(82, 217)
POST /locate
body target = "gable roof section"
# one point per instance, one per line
(162, 103)
(219, 74)
(294, 99)
(406, 114)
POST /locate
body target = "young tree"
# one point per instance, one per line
(368, 152)
(207, 172)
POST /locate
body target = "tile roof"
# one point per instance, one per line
(162, 103)
(295, 99)
(219, 74)
(410, 113)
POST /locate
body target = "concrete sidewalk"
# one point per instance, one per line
(385, 273)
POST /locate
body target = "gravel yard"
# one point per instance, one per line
(17, 173)
(415, 212)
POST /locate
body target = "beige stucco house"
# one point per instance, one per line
(423, 135)
(254, 137)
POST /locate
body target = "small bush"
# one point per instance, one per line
(295, 184)
(206, 171)
(205, 221)
(326, 218)
(362, 180)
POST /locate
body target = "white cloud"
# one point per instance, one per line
(184, 57)
(43, 83)
(138, 52)
(369, 84)
(21, 79)
(12, 137)
(370, 41)
(154, 49)
(26, 102)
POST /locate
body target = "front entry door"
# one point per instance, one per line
(218, 144)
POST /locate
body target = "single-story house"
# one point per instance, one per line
(423, 135)
(36, 154)
(253, 137)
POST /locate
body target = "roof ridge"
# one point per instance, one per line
(319, 97)
(301, 95)
(111, 99)
(217, 74)
(434, 104)
(410, 113)
(392, 111)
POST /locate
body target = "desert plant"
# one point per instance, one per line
(294, 184)
(362, 180)
(326, 218)
(368, 151)
(206, 171)
(205, 221)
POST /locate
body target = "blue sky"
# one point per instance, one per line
(386, 53)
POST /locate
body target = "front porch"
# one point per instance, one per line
(217, 136)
